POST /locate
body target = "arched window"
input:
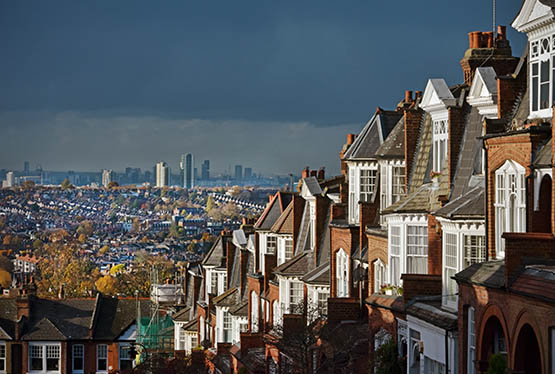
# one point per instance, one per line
(276, 317)
(254, 312)
(342, 273)
(510, 202)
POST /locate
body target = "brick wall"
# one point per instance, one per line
(508, 90)
(345, 238)
(434, 246)
(420, 285)
(519, 246)
(512, 311)
(322, 206)
(381, 318)
(344, 309)
(377, 249)
(254, 285)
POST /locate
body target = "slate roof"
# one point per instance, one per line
(423, 200)
(8, 316)
(273, 210)
(312, 186)
(216, 254)
(296, 266)
(372, 135)
(320, 275)
(183, 315)
(432, 313)
(422, 162)
(470, 154)
(228, 298)
(240, 309)
(489, 274)
(468, 206)
(116, 315)
(394, 144)
(537, 281)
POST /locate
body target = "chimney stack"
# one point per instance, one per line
(350, 138)
(305, 173)
(313, 173)
(501, 32)
(322, 173)
(408, 96)
(417, 95)
(488, 39)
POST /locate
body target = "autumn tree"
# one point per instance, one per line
(112, 184)
(66, 184)
(27, 185)
(104, 250)
(86, 228)
(108, 285)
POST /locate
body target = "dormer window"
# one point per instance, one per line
(362, 186)
(542, 76)
(441, 136)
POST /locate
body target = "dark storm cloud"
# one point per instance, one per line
(273, 63)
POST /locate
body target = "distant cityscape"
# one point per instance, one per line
(187, 176)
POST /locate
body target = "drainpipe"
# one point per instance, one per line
(486, 198)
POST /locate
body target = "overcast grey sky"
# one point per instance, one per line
(274, 85)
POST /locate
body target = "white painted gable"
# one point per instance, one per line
(532, 15)
(484, 84)
(437, 96)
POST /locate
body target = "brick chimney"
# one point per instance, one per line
(412, 120)
(313, 173)
(484, 49)
(420, 285)
(322, 173)
(408, 96)
(244, 267)
(23, 305)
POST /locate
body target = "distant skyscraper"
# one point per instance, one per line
(26, 167)
(107, 176)
(248, 173)
(205, 170)
(187, 165)
(238, 172)
(10, 180)
(162, 174)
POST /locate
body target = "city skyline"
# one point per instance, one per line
(294, 74)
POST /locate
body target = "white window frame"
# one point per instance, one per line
(226, 326)
(420, 234)
(3, 357)
(542, 51)
(440, 140)
(471, 342)
(380, 275)
(312, 211)
(285, 249)
(44, 349)
(276, 317)
(395, 254)
(295, 293)
(322, 300)
(255, 312)
(271, 244)
(74, 356)
(356, 194)
(99, 357)
(510, 183)
(342, 273)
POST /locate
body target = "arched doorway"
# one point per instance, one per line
(493, 341)
(527, 352)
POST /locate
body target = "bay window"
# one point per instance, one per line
(44, 358)
(451, 266)
(474, 250)
(542, 66)
(254, 312)
(367, 184)
(288, 248)
(271, 244)
(362, 186)
(295, 295)
(213, 282)
(323, 303)
(397, 183)
(510, 202)
(395, 254)
(226, 331)
(417, 249)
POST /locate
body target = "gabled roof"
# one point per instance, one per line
(310, 187)
(44, 330)
(216, 254)
(273, 210)
(372, 135)
(489, 274)
(117, 315)
(437, 96)
(484, 83)
(182, 315)
(532, 15)
(284, 224)
(394, 144)
(241, 309)
(423, 200)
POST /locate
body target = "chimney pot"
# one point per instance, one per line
(408, 96)
(501, 32)
(488, 39)
(350, 138)
(475, 39)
